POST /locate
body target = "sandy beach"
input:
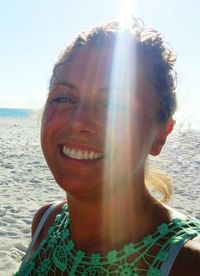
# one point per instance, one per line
(26, 182)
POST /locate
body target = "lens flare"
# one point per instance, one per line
(127, 9)
(119, 161)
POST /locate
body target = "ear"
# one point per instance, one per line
(161, 137)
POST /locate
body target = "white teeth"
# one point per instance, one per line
(96, 155)
(80, 154)
(65, 151)
(85, 155)
(72, 153)
(91, 155)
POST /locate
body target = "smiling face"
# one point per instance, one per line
(74, 125)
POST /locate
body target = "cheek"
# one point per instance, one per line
(46, 118)
(49, 126)
(54, 122)
(48, 115)
(55, 117)
(142, 137)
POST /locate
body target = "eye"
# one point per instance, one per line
(64, 99)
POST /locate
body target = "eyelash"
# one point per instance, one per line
(64, 99)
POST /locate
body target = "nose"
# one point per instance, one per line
(84, 120)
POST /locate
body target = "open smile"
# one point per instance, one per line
(81, 154)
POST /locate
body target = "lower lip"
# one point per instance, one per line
(80, 161)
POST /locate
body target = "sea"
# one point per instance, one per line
(22, 117)
(16, 113)
(183, 120)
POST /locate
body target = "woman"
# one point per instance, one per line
(111, 102)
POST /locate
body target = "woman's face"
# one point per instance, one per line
(74, 126)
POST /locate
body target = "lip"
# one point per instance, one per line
(81, 148)
(77, 162)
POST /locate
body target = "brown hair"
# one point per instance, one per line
(159, 66)
(158, 56)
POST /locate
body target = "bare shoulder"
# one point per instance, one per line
(188, 260)
(37, 217)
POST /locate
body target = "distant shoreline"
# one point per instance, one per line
(183, 122)
(19, 113)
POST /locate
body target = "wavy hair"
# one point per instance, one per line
(159, 68)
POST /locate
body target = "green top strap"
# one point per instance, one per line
(57, 252)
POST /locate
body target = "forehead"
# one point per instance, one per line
(86, 63)
(91, 67)
(100, 64)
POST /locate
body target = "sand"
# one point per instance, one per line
(26, 182)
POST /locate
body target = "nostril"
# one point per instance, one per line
(83, 123)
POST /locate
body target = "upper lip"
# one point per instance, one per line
(80, 146)
(81, 154)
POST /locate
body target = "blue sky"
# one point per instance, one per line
(33, 33)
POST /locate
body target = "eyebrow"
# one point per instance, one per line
(67, 83)
(104, 89)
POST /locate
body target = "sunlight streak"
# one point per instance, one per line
(127, 9)
(117, 168)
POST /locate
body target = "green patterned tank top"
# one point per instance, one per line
(56, 254)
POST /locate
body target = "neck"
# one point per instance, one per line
(121, 216)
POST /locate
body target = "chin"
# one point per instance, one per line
(78, 187)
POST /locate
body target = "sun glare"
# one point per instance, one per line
(117, 170)
(127, 9)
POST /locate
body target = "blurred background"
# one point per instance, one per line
(33, 33)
